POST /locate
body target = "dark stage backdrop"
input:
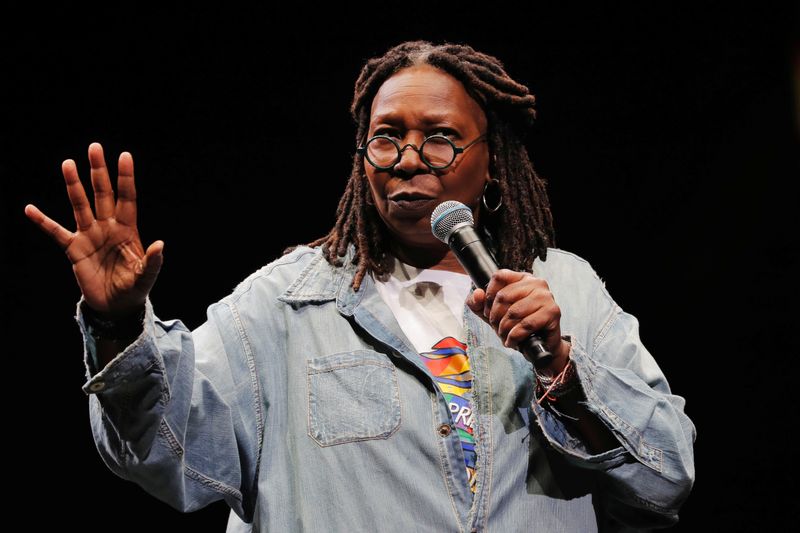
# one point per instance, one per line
(668, 137)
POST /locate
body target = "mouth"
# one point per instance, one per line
(410, 203)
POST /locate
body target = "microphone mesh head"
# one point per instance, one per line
(447, 216)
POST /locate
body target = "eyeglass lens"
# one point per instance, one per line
(435, 151)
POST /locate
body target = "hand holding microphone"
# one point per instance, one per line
(519, 306)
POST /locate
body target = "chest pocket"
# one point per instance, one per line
(352, 396)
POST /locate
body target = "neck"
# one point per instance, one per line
(434, 257)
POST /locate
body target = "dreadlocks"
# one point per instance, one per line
(521, 231)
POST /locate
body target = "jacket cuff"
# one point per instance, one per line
(132, 362)
(622, 401)
(552, 422)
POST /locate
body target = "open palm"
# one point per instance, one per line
(114, 272)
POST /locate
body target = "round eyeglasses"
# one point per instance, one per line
(436, 151)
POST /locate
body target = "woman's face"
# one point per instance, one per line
(412, 104)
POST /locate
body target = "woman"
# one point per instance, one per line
(346, 386)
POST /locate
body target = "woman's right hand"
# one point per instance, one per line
(114, 272)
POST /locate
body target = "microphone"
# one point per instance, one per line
(453, 224)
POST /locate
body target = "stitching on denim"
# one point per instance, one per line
(359, 295)
(169, 438)
(642, 451)
(487, 447)
(308, 404)
(654, 455)
(651, 505)
(166, 392)
(648, 504)
(254, 384)
(120, 366)
(399, 402)
(340, 286)
(300, 280)
(604, 329)
(380, 436)
(614, 417)
(314, 371)
(647, 454)
(265, 271)
(344, 359)
(280, 263)
(213, 484)
(477, 401)
(314, 296)
(443, 460)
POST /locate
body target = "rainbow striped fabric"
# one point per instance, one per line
(449, 364)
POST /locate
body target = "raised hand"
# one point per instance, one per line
(114, 272)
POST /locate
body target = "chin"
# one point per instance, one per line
(418, 239)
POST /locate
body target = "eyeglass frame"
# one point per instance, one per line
(362, 150)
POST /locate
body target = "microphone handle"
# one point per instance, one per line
(534, 351)
(470, 251)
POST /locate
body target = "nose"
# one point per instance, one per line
(410, 160)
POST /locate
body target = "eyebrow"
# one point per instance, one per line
(428, 119)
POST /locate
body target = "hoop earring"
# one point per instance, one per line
(496, 184)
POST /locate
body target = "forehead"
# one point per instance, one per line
(426, 94)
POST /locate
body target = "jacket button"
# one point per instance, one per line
(97, 386)
(444, 430)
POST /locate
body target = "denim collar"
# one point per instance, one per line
(322, 282)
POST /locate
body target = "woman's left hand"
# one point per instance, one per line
(517, 304)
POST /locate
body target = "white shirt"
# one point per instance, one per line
(428, 304)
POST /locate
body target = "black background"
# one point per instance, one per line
(669, 138)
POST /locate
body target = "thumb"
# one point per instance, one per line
(151, 265)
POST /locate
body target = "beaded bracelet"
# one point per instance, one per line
(552, 388)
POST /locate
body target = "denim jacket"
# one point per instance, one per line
(301, 403)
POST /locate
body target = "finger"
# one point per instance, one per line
(515, 313)
(545, 322)
(506, 276)
(500, 279)
(126, 190)
(77, 196)
(58, 233)
(492, 288)
(151, 266)
(475, 300)
(101, 183)
(508, 296)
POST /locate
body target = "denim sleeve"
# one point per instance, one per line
(178, 413)
(648, 477)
